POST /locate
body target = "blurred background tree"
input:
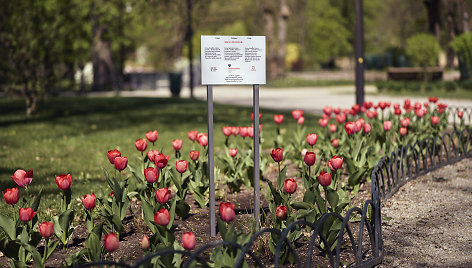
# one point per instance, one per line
(47, 44)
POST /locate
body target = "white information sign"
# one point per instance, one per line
(233, 60)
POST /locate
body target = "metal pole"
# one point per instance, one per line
(256, 156)
(359, 54)
(190, 44)
(211, 163)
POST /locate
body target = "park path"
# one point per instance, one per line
(311, 99)
(431, 220)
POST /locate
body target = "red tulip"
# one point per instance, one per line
(397, 112)
(346, 112)
(151, 174)
(112, 154)
(301, 120)
(161, 160)
(11, 196)
(162, 195)
(152, 154)
(396, 106)
(442, 105)
(433, 99)
(162, 217)
(405, 122)
(426, 105)
(327, 110)
(188, 240)
(26, 214)
(460, 114)
(403, 131)
(335, 163)
(121, 162)
(227, 212)
(227, 131)
(141, 145)
(335, 143)
(22, 178)
(337, 110)
(46, 229)
(277, 154)
(203, 140)
(89, 201)
(281, 212)
(177, 144)
(340, 118)
(382, 105)
(279, 119)
(235, 131)
(323, 122)
(350, 128)
(407, 104)
(252, 116)
(359, 124)
(324, 178)
(435, 120)
(64, 182)
(112, 194)
(181, 166)
(145, 242)
(311, 139)
(290, 186)
(310, 158)
(440, 110)
(152, 136)
(387, 125)
(194, 155)
(192, 135)
(297, 114)
(111, 242)
(367, 128)
(420, 112)
(371, 114)
(233, 152)
(368, 104)
(243, 132)
(333, 128)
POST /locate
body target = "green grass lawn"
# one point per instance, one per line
(73, 134)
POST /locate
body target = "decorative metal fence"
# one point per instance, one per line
(359, 240)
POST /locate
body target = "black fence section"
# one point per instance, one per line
(359, 240)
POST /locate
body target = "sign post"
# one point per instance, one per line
(233, 60)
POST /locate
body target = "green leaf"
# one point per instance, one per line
(37, 200)
(182, 208)
(281, 178)
(8, 226)
(333, 198)
(94, 246)
(302, 205)
(148, 215)
(304, 213)
(172, 213)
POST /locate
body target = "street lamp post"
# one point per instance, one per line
(359, 44)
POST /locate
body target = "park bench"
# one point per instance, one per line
(414, 73)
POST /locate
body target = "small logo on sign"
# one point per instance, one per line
(253, 68)
(213, 69)
(229, 65)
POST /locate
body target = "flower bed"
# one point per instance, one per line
(157, 192)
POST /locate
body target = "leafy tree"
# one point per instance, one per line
(423, 51)
(463, 47)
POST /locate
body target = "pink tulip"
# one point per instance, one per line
(324, 178)
(301, 120)
(367, 128)
(323, 122)
(233, 152)
(203, 140)
(227, 212)
(141, 145)
(145, 242)
(243, 132)
(290, 186)
(177, 144)
(335, 163)
(311, 139)
(188, 240)
(152, 154)
(63, 181)
(327, 110)
(281, 212)
(350, 128)
(297, 114)
(26, 214)
(403, 131)
(194, 155)
(121, 162)
(162, 217)
(405, 122)
(181, 166)
(192, 135)
(227, 131)
(151, 174)
(335, 143)
(46, 229)
(340, 118)
(387, 125)
(111, 242)
(112, 154)
(333, 128)
(152, 136)
(278, 119)
(163, 195)
(435, 120)
(11, 196)
(22, 178)
(235, 131)
(89, 201)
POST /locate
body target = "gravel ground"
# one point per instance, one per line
(431, 223)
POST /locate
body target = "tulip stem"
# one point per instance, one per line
(45, 253)
(278, 163)
(326, 198)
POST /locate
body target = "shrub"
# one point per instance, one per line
(423, 51)
(462, 44)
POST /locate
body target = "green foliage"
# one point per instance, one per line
(423, 50)
(462, 44)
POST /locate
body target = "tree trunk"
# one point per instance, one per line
(465, 17)
(270, 38)
(451, 28)
(284, 13)
(434, 17)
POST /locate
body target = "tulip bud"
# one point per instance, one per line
(203, 140)
(435, 120)
(281, 212)
(11, 196)
(324, 178)
(111, 242)
(309, 158)
(26, 214)
(141, 145)
(233, 152)
(192, 135)
(121, 162)
(163, 195)
(188, 240)
(323, 122)
(290, 186)
(46, 229)
(327, 110)
(433, 99)
(194, 155)
(162, 217)
(277, 155)
(151, 174)
(335, 143)
(297, 114)
(152, 136)
(311, 139)
(278, 119)
(177, 145)
(333, 128)
(304, 151)
(64, 181)
(367, 128)
(181, 166)
(227, 212)
(145, 242)
(112, 154)
(403, 131)
(22, 178)
(89, 201)
(460, 114)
